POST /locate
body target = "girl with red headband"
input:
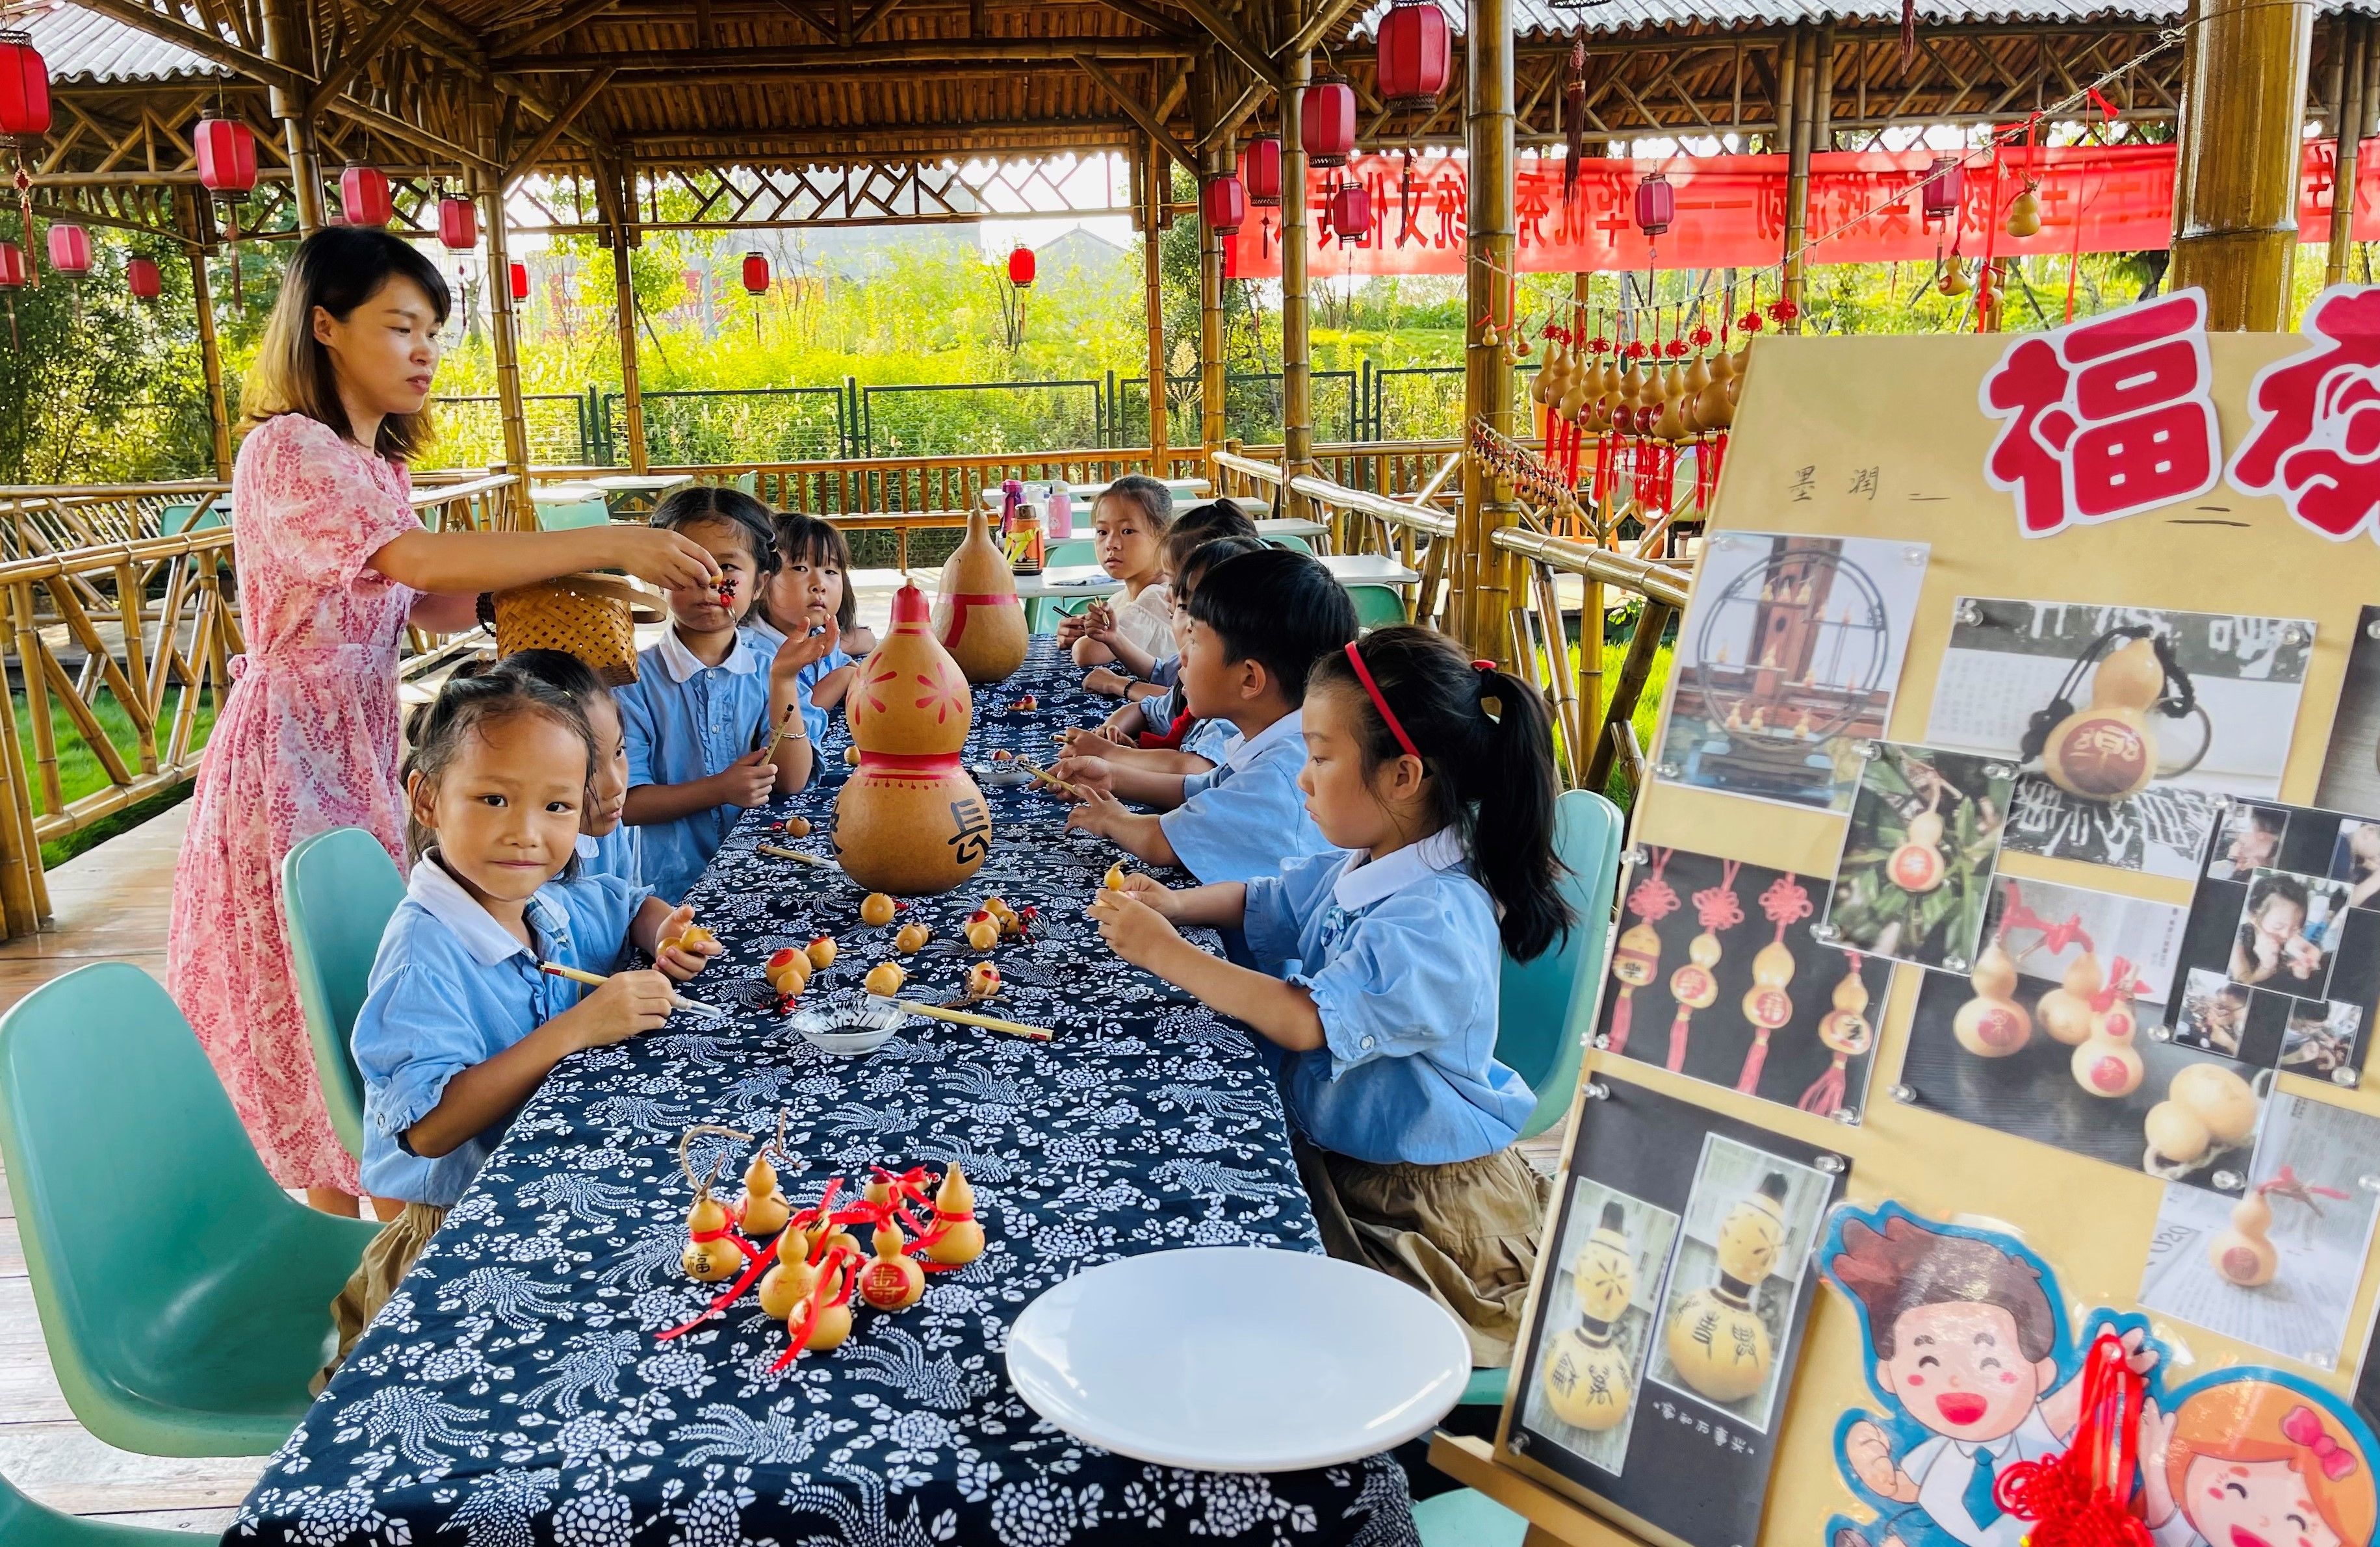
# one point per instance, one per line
(1434, 777)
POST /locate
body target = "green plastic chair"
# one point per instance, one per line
(192, 1325)
(1377, 606)
(1545, 1007)
(573, 515)
(187, 516)
(338, 889)
(1468, 1518)
(1041, 615)
(1294, 544)
(24, 1523)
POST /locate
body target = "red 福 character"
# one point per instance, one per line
(2316, 441)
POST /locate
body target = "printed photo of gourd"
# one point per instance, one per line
(1598, 1323)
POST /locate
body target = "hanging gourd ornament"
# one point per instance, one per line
(2105, 751)
(2108, 1063)
(763, 1210)
(1767, 1005)
(1637, 958)
(892, 1280)
(1917, 866)
(1992, 1024)
(821, 953)
(1716, 1339)
(957, 1238)
(712, 1254)
(912, 938)
(1693, 986)
(982, 980)
(983, 930)
(2024, 211)
(1844, 1032)
(2242, 1254)
(1586, 1370)
(2064, 1011)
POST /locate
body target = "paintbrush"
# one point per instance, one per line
(598, 979)
(1046, 776)
(784, 853)
(968, 1018)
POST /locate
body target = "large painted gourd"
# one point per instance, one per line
(978, 617)
(1716, 1338)
(909, 819)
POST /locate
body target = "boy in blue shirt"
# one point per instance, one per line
(1257, 623)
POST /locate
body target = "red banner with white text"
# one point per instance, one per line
(1731, 211)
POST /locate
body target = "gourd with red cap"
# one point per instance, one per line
(910, 820)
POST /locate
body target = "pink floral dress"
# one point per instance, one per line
(307, 740)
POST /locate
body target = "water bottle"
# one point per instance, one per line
(1061, 515)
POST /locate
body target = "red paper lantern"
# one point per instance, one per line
(458, 224)
(1326, 122)
(24, 89)
(141, 277)
(12, 266)
(519, 274)
(1020, 267)
(363, 196)
(1945, 189)
(1413, 54)
(755, 273)
(1226, 204)
(1260, 170)
(70, 250)
(1657, 204)
(226, 151)
(1351, 212)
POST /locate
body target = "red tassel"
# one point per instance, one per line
(1749, 1079)
(1678, 1030)
(1615, 1034)
(1824, 1096)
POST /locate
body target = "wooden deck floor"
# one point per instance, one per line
(110, 904)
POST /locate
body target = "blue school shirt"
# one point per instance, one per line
(451, 989)
(1211, 739)
(1246, 817)
(1158, 710)
(1403, 960)
(684, 721)
(767, 638)
(618, 853)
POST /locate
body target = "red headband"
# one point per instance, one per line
(1364, 675)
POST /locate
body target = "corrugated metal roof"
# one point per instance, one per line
(1541, 19)
(78, 44)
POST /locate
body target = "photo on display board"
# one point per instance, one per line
(2350, 764)
(1788, 659)
(1598, 1323)
(2281, 960)
(1915, 880)
(2129, 723)
(2276, 1268)
(1691, 1461)
(2050, 1038)
(1718, 976)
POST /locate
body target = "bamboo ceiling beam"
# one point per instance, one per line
(502, 49)
(363, 52)
(527, 157)
(1148, 17)
(912, 51)
(1137, 114)
(1233, 41)
(876, 13)
(203, 44)
(1248, 101)
(810, 16)
(395, 127)
(1321, 21)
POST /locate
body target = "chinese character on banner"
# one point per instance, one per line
(2317, 442)
(2106, 418)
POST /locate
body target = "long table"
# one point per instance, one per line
(514, 1392)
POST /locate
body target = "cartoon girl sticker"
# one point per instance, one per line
(2249, 1458)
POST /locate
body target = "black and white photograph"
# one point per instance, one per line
(1924, 839)
(2128, 722)
(2276, 1267)
(1598, 1323)
(1788, 658)
(2350, 763)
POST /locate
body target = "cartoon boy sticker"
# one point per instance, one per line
(2245, 1460)
(1969, 1344)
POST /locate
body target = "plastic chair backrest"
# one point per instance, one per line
(1072, 551)
(24, 1523)
(1294, 544)
(338, 888)
(1544, 1007)
(573, 515)
(189, 516)
(748, 482)
(1377, 606)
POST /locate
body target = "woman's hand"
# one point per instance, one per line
(670, 560)
(680, 962)
(1132, 928)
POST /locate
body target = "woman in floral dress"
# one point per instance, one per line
(332, 563)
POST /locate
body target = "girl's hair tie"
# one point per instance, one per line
(1483, 666)
(1380, 701)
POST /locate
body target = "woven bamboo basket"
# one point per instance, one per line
(591, 616)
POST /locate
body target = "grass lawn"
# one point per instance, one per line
(80, 772)
(1649, 707)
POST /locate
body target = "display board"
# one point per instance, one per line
(2010, 860)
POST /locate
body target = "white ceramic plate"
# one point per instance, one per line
(1238, 1359)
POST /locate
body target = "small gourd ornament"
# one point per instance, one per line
(2105, 751)
(2064, 1011)
(2108, 1063)
(2243, 1253)
(2025, 213)
(1767, 1005)
(711, 1255)
(892, 1280)
(1586, 1370)
(958, 1240)
(1917, 866)
(790, 1281)
(2206, 1107)
(762, 1212)
(832, 1323)
(1844, 1032)
(910, 819)
(1637, 958)
(1693, 986)
(1992, 1024)
(1716, 1339)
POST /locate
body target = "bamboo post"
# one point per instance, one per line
(1482, 593)
(500, 330)
(1800, 128)
(203, 303)
(1155, 179)
(632, 397)
(285, 44)
(1210, 313)
(1652, 621)
(1296, 364)
(2352, 109)
(2236, 187)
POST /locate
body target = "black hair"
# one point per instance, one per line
(695, 504)
(800, 536)
(2285, 887)
(1197, 561)
(1201, 524)
(1279, 608)
(561, 670)
(338, 269)
(475, 697)
(1151, 497)
(1487, 746)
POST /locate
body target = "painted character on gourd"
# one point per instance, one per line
(1586, 1370)
(2243, 1461)
(1715, 1336)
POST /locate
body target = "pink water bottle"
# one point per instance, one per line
(1061, 515)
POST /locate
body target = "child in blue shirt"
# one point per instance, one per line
(713, 726)
(1257, 623)
(460, 1025)
(811, 588)
(1434, 775)
(607, 846)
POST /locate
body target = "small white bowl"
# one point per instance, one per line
(849, 1024)
(1003, 774)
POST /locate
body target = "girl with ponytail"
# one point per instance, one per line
(1434, 777)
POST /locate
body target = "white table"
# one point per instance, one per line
(1290, 527)
(565, 493)
(1085, 495)
(1072, 582)
(637, 483)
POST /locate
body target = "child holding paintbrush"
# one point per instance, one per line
(472, 1001)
